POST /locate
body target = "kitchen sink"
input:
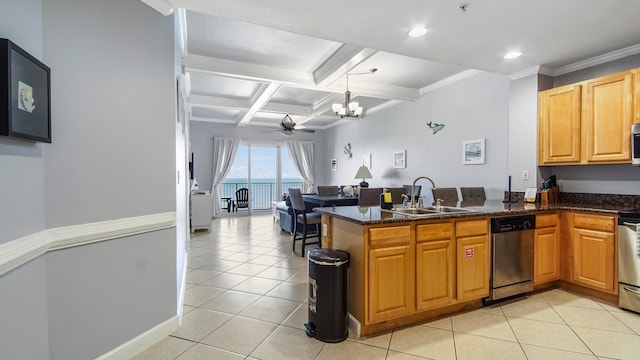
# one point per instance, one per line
(446, 209)
(426, 211)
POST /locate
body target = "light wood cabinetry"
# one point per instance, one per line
(588, 122)
(546, 249)
(435, 265)
(391, 273)
(472, 259)
(593, 245)
(559, 125)
(608, 114)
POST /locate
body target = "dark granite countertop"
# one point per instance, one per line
(367, 215)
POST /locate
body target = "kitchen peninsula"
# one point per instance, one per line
(405, 270)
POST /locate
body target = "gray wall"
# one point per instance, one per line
(21, 162)
(523, 132)
(473, 108)
(113, 111)
(112, 156)
(23, 300)
(103, 295)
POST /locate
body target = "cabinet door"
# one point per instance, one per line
(391, 283)
(608, 112)
(546, 258)
(593, 259)
(434, 273)
(472, 267)
(559, 125)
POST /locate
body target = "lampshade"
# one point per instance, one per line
(363, 173)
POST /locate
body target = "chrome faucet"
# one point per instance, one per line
(413, 187)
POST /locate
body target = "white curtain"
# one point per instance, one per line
(301, 153)
(224, 152)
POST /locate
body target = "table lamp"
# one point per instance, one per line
(363, 173)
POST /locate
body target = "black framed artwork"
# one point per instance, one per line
(25, 99)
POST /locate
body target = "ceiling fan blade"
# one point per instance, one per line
(305, 130)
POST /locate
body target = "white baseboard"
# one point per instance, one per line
(354, 325)
(142, 341)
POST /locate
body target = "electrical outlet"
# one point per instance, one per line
(525, 175)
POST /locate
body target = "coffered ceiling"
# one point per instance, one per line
(251, 62)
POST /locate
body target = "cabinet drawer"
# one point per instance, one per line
(389, 236)
(546, 220)
(594, 222)
(472, 227)
(429, 232)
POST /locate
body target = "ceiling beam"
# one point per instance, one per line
(259, 103)
(237, 69)
(341, 62)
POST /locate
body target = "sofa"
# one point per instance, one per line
(285, 214)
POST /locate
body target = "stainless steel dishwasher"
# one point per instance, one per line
(511, 255)
(629, 260)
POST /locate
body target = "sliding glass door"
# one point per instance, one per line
(266, 170)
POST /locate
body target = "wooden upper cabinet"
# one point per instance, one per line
(589, 122)
(608, 115)
(559, 125)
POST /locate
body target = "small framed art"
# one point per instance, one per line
(400, 159)
(473, 152)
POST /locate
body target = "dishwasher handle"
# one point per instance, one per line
(631, 290)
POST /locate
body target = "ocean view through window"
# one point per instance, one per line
(266, 170)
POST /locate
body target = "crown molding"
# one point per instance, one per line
(597, 60)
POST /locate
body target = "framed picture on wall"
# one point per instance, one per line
(25, 83)
(399, 159)
(366, 161)
(334, 164)
(473, 152)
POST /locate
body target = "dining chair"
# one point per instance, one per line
(473, 194)
(369, 196)
(327, 190)
(448, 195)
(306, 225)
(242, 199)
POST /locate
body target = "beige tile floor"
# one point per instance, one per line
(246, 299)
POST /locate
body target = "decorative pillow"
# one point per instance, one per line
(347, 190)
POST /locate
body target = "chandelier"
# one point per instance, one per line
(350, 108)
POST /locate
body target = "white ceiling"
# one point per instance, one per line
(251, 62)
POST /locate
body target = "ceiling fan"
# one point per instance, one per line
(288, 126)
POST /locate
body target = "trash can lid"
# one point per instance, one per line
(332, 257)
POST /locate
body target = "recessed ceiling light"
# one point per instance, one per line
(512, 55)
(417, 31)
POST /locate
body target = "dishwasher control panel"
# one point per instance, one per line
(512, 223)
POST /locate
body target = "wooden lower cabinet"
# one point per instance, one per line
(546, 253)
(391, 273)
(472, 259)
(473, 267)
(435, 265)
(593, 243)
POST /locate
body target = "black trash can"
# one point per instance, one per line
(328, 313)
